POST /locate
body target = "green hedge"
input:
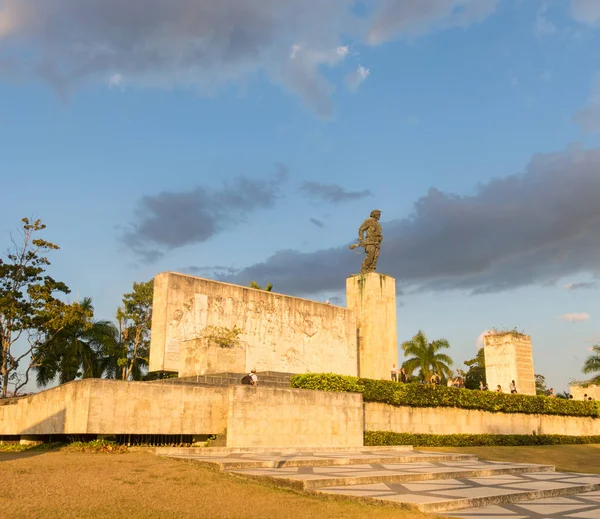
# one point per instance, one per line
(428, 395)
(473, 440)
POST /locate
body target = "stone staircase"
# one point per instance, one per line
(400, 476)
(265, 379)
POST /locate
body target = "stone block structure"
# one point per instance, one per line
(590, 390)
(277, 332)
(372, 297)
(508, 356)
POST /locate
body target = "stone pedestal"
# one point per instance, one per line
(372, 297)
(508, 357)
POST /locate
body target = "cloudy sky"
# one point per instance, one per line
(248, 139)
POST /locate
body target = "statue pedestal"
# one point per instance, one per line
(509, 357)
(372, 297)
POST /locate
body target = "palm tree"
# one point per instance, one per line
(426, 357)
(75, 352)
(254, 284)
(592, 364)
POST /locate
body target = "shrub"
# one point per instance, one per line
(373, 438)
(426, 395)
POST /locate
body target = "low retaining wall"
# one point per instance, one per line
(449, 420)
(251, 416)
(271, 417)
(96, 406)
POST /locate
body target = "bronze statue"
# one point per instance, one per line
(370, 238)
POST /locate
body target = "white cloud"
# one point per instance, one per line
(543, 26)
(575, 318)
(355, 78)
(203, 45)
(580, 285)
(115, 81)
(585, 11)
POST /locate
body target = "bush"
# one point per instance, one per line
(373, 438)
(97, 446)
(426, 395)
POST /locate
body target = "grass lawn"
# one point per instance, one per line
(566, 458)
(59, 484)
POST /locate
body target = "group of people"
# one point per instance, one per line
(398, 375)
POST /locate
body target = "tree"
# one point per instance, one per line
(76, 352)
(426, 357)
(540, 385)
(254, 284)
(127, 352)
(30, 314)
(592, 364)
(476, 373)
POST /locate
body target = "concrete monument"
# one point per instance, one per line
(508, 357)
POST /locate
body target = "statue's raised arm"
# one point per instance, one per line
(370, 238)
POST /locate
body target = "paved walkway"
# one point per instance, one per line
(457, 485)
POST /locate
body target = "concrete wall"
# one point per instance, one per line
(591, 391)
(446, 420)
(279, 333)
(373, 297)
(270, 417)
(95, 406)
(509, 357)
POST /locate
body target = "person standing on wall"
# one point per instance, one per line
(253, 378)
(513, 387)
(394, 373)
(403, 376)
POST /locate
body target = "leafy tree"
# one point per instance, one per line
(127, 351)
(592, 364)
(426, 357)
(30, 314)
(76, 352)
(540, 385)
(476, 373)
(254, 284)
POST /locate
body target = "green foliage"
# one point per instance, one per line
(29, 307)
(426, 357)
(76, 351)
(97, 446)
(592, 364)
(427, 395)
(540, 385)
(222, 336)
(254, 284)
(476, 373)
(127, 355)
(327, 382)
(373, 438)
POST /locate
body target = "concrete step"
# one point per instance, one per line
(276, 461)
(442, 495)
(310, 478)
(277, 452)
(576, 506)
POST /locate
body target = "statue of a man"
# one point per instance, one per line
(370, 237)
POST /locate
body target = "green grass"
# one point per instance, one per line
(566, 458)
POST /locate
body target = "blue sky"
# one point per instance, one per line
(249, 139)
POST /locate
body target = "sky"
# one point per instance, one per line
(248, 139)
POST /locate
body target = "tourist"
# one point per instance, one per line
(486, 387)
(551, 393)
(403, 376)
(435, 378)
(570, 397)
(253, 378)
(499, 389)
(481, 385)
(585, 397)
(394, 373)
(513, 388)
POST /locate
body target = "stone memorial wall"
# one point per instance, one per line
(277, 332)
